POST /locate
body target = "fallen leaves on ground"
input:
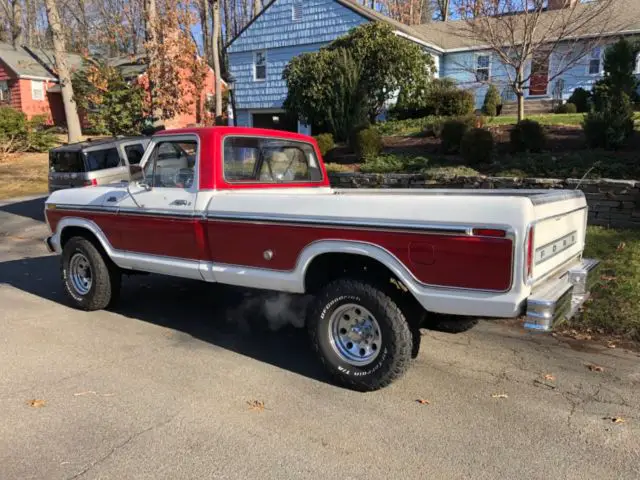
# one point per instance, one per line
(256, 405)
(499, 395)
(607, 278)
(423, 401)
(615, 419)
(595, 368)
(611, 345)
(549, 377)
(36, 403)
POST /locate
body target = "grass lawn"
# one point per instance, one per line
(24, 174)
(545, 119)
(615, 305)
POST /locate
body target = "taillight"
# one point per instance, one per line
(530, 254)
(489, 232)
(91, 183)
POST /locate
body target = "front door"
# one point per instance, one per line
(156, 216)
(539, 81)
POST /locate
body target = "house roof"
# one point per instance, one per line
(27, 62)
(622, 16)
(22, 63)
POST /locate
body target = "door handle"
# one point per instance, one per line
(179, 203)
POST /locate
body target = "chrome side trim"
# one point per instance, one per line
(322, 221)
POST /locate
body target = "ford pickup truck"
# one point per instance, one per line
(254, 208)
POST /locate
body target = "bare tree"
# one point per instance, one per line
(12, 10)
(64, 77)
(442, 9)
(534, 44)
(215, 4)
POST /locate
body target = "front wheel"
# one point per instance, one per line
(91, 281)
(360, 335)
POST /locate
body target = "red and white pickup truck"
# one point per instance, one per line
(254, 208)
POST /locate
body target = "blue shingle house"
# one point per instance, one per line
(287, 28)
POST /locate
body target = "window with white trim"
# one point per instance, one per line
(260, 65)
(296, 10)
(637, 63)
(595, 61)
(483, 68)
(37, 90)
(5, 93)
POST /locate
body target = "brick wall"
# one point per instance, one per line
(612, 203)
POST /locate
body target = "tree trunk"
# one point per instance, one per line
(64, 77)
(151, 32)
(31, 23)
(519, 90)
(204, 23)
(520, 95)
(216, 58)
(17, 36)
(257, 8)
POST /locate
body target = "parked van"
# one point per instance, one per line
(98, 162)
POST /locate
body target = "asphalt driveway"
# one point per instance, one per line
(188, 380)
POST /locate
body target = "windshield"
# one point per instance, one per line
(66, 162)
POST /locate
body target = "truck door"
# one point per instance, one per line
(157, 217)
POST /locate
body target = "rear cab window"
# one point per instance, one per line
(269, 160)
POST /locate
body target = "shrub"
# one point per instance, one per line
(528, 136)
(325, 143)
(338, 168)
(19, 134)
(580, 98)
(492, 101)
(453, 131)
(368, 143)
(610, 126)
(12, 123)
(453, 103)
(566, 108)
(393, 164)
(477, 146)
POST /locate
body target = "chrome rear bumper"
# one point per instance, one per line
(559, 299)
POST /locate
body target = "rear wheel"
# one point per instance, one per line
(91, 281)
(360, 335)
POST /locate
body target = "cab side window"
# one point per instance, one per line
(172, 164)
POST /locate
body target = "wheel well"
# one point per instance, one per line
(74, 231)
(328, 267)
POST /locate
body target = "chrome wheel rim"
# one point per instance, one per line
(355, 334)
(80, 273)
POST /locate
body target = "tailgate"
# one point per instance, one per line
(558, 236)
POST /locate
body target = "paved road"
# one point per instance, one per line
(159, 388)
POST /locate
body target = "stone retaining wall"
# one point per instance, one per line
(612, 203)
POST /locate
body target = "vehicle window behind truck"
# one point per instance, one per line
(269, 160)
(102, 159)
(66, 162)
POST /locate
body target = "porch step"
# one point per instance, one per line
(530, 106)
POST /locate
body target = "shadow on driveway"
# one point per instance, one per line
(33, 209)
(227, 317)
